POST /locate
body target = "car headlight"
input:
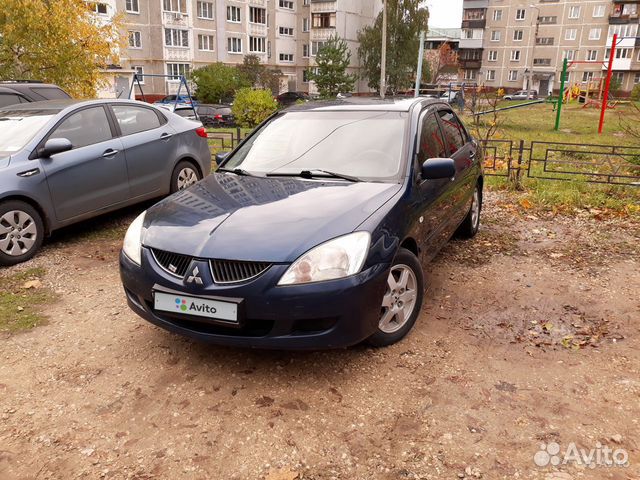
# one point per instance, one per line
(132, 245)
(337, 258)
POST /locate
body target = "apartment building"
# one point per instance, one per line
(174, 37)
(520, 44)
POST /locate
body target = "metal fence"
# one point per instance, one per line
(609, 164)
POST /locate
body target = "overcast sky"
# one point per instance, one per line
(445, 13)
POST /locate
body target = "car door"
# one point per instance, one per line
(463, 151)
(149, 144)
(430, 195)
(92, 175)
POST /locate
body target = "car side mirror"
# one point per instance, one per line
(436, 168)
(55, 145)
(221, 157)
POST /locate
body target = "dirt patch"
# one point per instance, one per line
(515, 348)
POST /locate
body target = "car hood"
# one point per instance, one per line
(260, 219)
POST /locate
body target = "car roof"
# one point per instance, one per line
(66, 103)
(392, 104)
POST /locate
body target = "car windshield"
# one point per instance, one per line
(17, 127)
(362, 144)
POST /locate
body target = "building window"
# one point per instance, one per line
(598, 11)
(574, 11)
(132, 6)
(513, 75)
(618, 77)
(491, 75)
(495, 35)
(98, 7)
(515, 55)
(595, 33)
(257, 45)
(315, 47)
(176, 6)
(288, 4)
(518, 35)
(233, 14)
(323, 20)
(305, 24)
(470, 74)
(205, 10)
(636, 79)
(628, 30)
(139, 73)
(176, 38)
(305, 50)
(473, 14)
(135, 40)
(205, 42)
(548, 20)
(569, 54)
(497, 15)
(544, 41)
(175, 70)
(306, 74)
(542, 62)
(570, 34)
(520, 14)
(592, 55)
(286, 57)
(493, 56)
(287, 31)
(234, 45)
(587, 77)
(258, 15)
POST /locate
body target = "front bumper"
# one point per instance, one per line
(332, 314)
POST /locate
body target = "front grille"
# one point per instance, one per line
(234, 271)
(174, 263)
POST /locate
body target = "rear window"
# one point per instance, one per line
(7, 99)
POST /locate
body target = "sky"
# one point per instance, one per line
(445, 13)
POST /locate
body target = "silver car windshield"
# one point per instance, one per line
(363, 144)
(18, 127)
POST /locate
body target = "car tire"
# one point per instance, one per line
(21, 232)
(471, 223)
(184, 175)
(402, 300)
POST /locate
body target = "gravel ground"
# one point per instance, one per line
(528, 337)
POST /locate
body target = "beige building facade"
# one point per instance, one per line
(174, 37)
(520, 44)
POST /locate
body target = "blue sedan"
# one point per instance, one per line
(314, 231)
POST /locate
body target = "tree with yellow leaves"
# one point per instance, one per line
(56, 41)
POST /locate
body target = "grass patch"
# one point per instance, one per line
(21, 307)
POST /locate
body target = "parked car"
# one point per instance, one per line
(216, 115)
(186, 111)
(289, 98)
(15, 92)
(62, 161)
(313, 232)
(181, 99)
(522, 95)
(453, 97)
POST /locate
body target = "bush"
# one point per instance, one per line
(253, 106)
(217, 82)
(635, 93)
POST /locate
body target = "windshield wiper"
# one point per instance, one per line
(311, 174)
(237, 171)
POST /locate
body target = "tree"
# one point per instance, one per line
(438, 61)
(258, 75)
(56, 41)
(251, 107)
(332, 61)
(217, 82)
(405, 20)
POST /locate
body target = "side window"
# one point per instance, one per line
(10, 99)
(454, 133)
(133, 119)
(431, 144)
(86, 127)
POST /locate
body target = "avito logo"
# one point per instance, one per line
(182, 304)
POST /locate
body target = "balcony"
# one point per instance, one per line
(470, 64)
(258, 3)
(470, 43)
(475, 4)
(178, 54)
(322, 34)
(477, 23)
(257, 30)
(175, 18)
(323, 6)
(622, 19)
(621, 64)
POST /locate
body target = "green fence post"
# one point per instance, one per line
(563, 77)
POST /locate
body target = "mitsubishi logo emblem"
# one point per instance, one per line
(195, 276)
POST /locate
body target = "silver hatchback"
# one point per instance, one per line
(64, 161)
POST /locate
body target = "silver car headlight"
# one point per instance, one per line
(132, 245)
(337, 258)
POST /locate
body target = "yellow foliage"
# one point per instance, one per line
(56, 41)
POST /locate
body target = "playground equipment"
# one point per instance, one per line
(603, 102)
(137, 77)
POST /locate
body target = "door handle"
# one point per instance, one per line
(110, 152)
(166, 136)
(472, 155)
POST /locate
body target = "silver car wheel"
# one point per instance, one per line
(475, 209)
(18, 233)
(186, 177)
(399, 301)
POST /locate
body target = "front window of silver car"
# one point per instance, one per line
(18, 127)
(366, 145)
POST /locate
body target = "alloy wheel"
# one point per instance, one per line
(399, 301)
(186, 177)
(18, 233)
(475, 208)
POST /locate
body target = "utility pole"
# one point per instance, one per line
(419, 72)
(383, 55)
